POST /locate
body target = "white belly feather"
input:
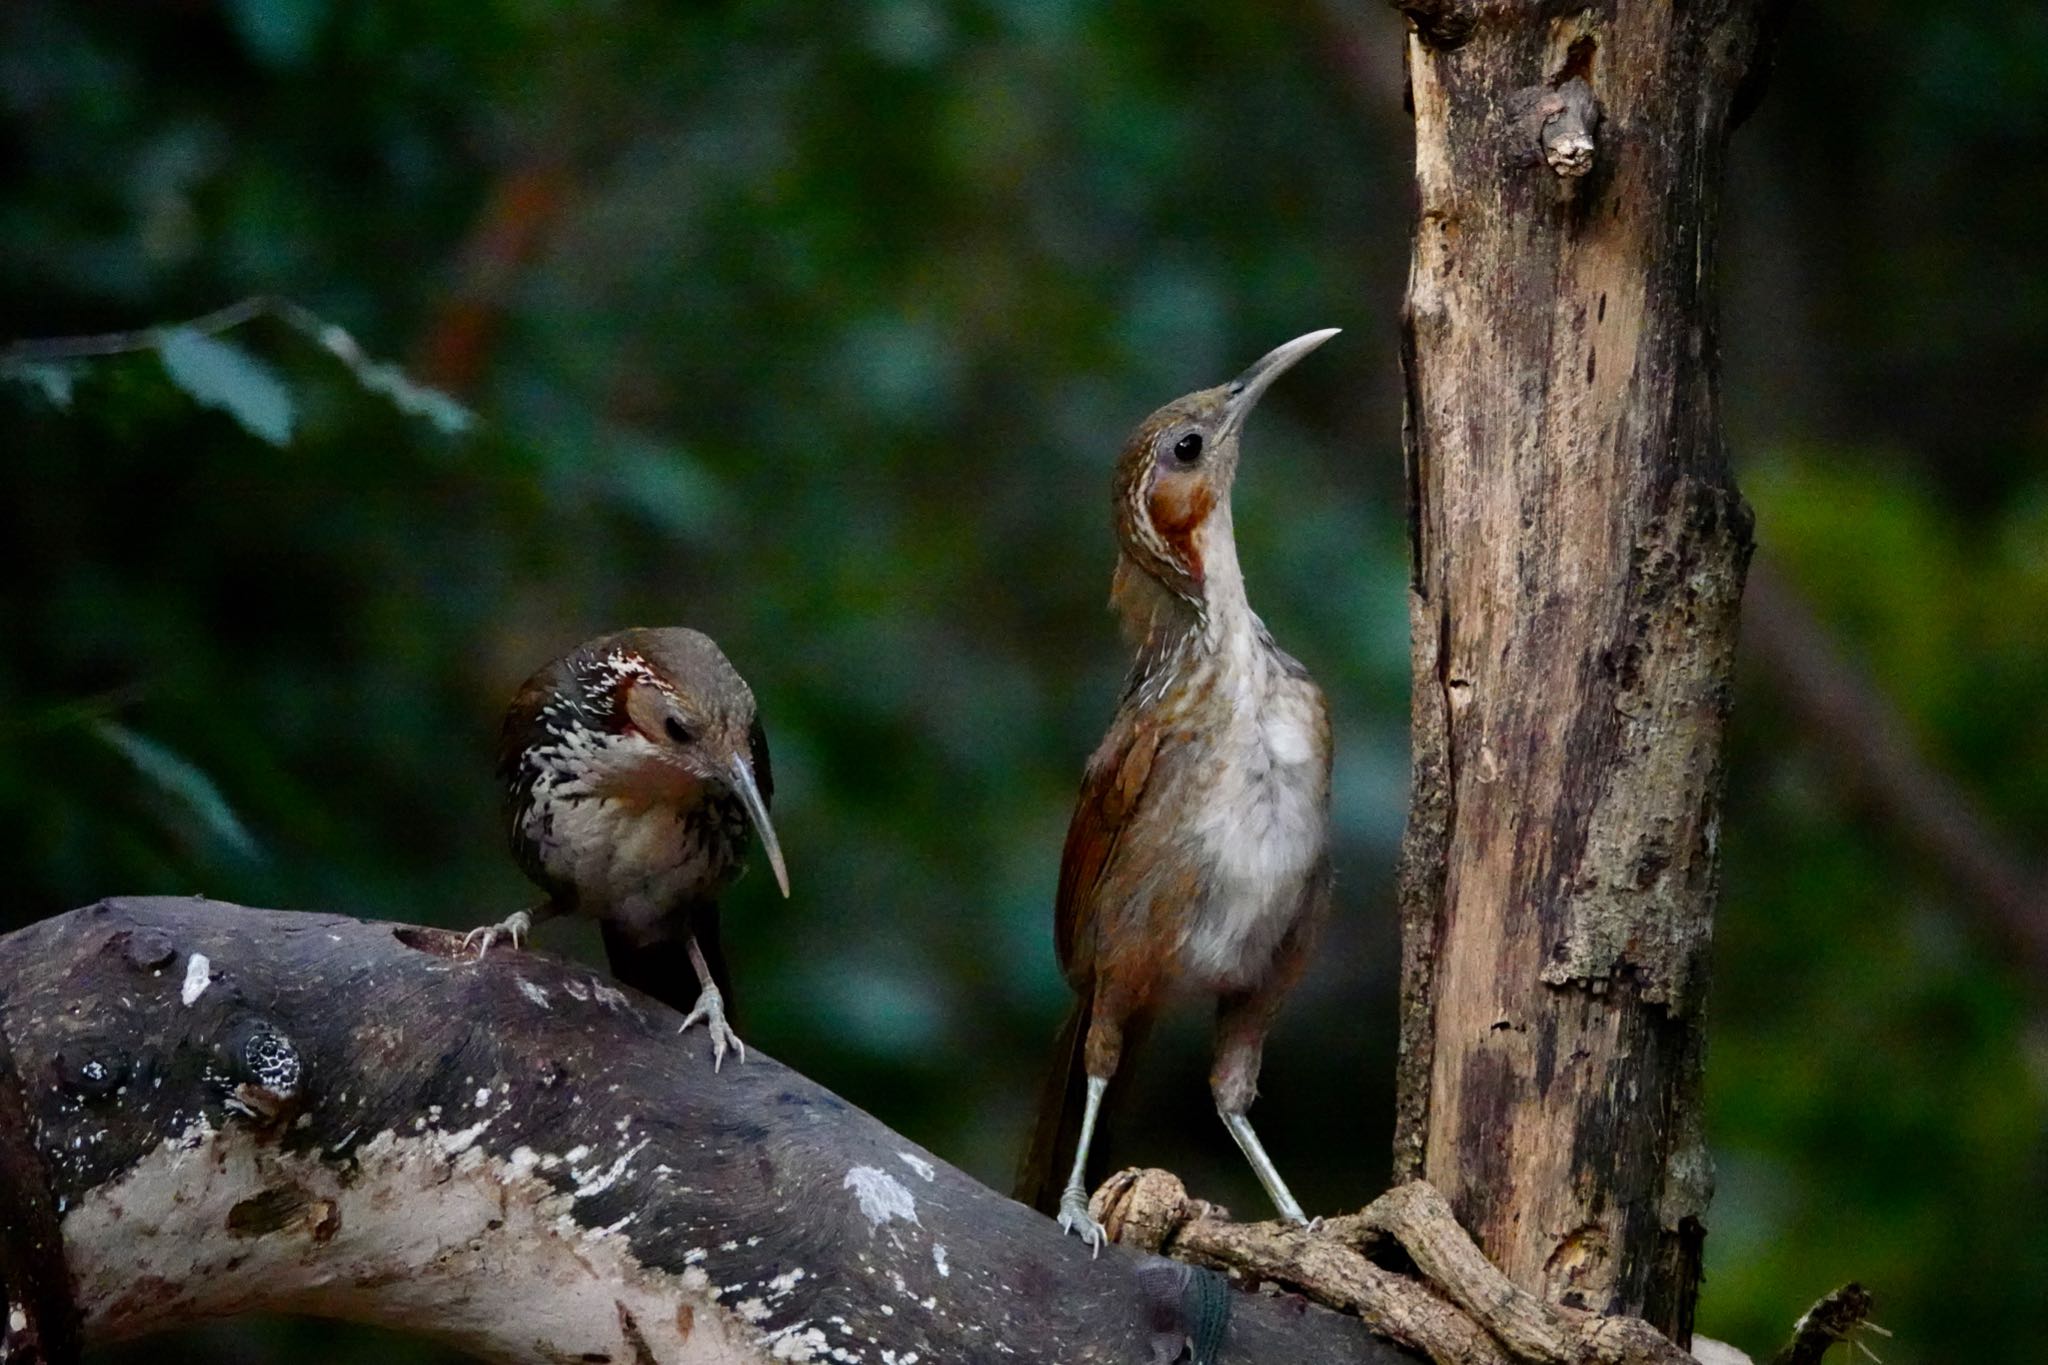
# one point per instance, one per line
(1263, 828)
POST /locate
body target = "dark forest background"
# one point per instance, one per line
(816, 326)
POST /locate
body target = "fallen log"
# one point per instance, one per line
(241, 1110)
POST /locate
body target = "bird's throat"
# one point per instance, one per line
(1169, 630)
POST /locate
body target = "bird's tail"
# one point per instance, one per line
(1042, 1174)
(662, 969)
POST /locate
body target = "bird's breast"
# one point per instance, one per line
(1258, 826)
(630, 861)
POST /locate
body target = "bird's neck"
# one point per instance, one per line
(1171, 629)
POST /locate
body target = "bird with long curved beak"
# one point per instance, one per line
(1197, 861)
(636, 770)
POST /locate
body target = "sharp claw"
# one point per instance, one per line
(710, 1012)
(512, 929)
(1075, 1218)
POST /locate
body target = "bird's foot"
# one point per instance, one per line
(513, 928)
(710, 1012)
(1075, 1218)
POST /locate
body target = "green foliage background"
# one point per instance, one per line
(816, 327)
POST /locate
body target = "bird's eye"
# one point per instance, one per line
(1188, 448)
(677, 731)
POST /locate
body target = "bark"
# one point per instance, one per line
(239, 1110)
(1455, 1309)
(1579, 551)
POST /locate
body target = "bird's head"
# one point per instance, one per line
(1177, 468)
(684, 727)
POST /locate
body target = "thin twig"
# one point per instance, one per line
(45, 350)
(409, 396)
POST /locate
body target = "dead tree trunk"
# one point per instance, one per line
(238, 1110)
(1579, 550)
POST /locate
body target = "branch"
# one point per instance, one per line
(50, 350)
(1869, 743)
(38, 1321)
(245, 1110)
(523, 207)
(1462, 1311)
(381, 377)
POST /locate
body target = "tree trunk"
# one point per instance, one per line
(1579, 550)
(243, 1110)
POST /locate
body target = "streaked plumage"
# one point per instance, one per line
(635, 768)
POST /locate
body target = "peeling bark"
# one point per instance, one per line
(239, 1110)
(1579, 552)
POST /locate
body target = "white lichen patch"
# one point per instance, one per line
(456, 1143)
(198, 976)
(429, 1233)
(595, 1181)
(939, 1260)
(534, 993)
(882, 1196)
(798, 1341)
(917, 1163)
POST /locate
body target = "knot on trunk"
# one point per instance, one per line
(1558, 125)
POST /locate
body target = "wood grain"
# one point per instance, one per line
(246, 1110)
(1579, 553)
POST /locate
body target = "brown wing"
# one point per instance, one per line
(1110, 791)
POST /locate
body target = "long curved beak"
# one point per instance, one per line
(1245, 390)
(742, 774)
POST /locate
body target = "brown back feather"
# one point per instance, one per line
(1111, 788)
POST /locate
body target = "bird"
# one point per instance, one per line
(634, 768)
(1197, 859)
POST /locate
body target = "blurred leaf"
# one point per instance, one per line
(220, 374)
(55, 380)
(279, 32)
(414, 399)
(407, 394)
(185, 784)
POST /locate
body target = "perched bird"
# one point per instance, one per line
(1197, 860)
(633, 767)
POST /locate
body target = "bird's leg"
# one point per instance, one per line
(1241, 1023)
(1074, 1215)
(1262, 1166)
(710, 1011)
(513, 928)
(1100, 1053)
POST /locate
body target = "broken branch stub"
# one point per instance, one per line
(311, 1114)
